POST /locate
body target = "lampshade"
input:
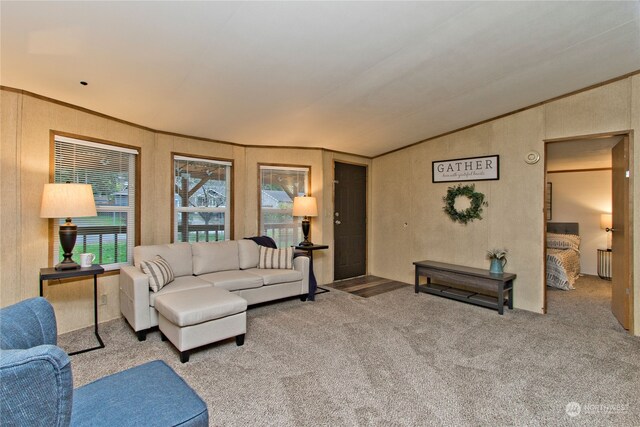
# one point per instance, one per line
(305, 206)
(606, 221)
(67, 201)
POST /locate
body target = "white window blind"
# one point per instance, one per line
(202, 199)
(110, 170)
(278, 187)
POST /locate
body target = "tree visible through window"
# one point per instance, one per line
(202, 196)
(279, 185)
(110, 170)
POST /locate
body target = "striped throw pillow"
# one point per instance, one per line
(159, 272)
(275, 258)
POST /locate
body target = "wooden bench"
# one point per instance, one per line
(471, 278)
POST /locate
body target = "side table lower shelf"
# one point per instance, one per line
(604, 264)
(94, 270)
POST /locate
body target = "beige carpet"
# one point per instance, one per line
(401, 359)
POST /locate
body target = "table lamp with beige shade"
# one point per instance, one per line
(305, 207)
(67, 201)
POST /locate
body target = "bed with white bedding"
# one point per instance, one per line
(563, 255)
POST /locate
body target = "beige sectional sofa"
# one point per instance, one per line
(230, 265)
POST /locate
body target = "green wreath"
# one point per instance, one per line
(472, 212)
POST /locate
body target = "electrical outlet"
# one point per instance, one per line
(103, 299)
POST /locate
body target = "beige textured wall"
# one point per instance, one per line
(514, 218)
(11, 106)
(26, 122)
(24, 169)
(392, 196)
(603, 109)
(404, 194)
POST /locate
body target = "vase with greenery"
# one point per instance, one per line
(498, 259)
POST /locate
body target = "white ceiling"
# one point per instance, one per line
(360, 77)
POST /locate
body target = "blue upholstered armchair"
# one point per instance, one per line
(36, 384)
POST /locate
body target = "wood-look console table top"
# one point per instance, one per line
(473, 278)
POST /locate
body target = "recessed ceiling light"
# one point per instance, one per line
(83, 83)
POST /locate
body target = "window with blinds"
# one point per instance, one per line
(110, 170)
(278, 187)
(202, 199)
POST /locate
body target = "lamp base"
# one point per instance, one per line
(305, 232)
(67, 266)
(68, 233)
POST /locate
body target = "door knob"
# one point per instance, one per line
(338, 222)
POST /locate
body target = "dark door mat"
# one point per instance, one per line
(367, 286)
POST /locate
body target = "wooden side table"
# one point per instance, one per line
(94, 270)
(313, 284)
(604, 264)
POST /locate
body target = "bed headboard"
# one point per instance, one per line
(563, 228)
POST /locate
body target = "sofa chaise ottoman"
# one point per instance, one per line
(201, 316)
(229, 265)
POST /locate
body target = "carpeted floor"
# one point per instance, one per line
(401, 359)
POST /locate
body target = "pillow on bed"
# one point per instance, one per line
(563, 241)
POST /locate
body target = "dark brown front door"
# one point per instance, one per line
(350, 221)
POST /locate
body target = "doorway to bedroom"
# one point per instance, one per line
(587, 227)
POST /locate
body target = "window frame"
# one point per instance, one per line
(137, 176)
(231, 184)
(308, 192)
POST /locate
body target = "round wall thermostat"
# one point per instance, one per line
(532, 157)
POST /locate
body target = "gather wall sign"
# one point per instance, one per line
(486, 168)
